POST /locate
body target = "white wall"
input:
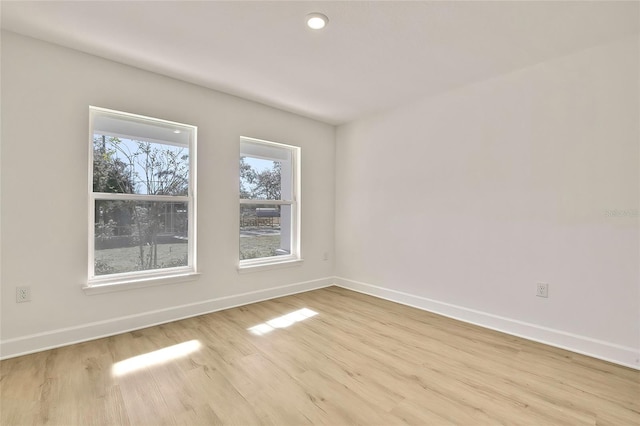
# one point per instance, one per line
(462, 202)
(46, 93)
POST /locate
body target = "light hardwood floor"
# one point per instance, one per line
(360, 360)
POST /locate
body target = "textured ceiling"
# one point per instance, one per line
(372, 56)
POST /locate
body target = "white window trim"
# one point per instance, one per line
(139, 282)
(138, 279)
(295, 258)
(259, 267)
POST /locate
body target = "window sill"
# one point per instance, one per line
(131, 283)
(256, 267)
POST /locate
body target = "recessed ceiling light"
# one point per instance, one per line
(176, 131)
(317, 21)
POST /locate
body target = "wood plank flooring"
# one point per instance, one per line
(359, 360)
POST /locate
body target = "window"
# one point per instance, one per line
(141, 198)
(269, 203)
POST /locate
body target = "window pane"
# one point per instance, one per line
(129, 166)
(265, 231)
(260, 179)
(139, 235)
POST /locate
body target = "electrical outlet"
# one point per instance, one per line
(542, 290)
(23, 294)
(325, 255)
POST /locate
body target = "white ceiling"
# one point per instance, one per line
(372, 55)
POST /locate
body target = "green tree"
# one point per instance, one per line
(247, 179)
(110, 175)
(264, 184)
(269, 182)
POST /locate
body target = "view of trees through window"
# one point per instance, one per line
(260, 224)
(139, 234)
(260, 179)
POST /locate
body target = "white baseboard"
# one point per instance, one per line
(67, 336)
(626, 356)
(607, 351)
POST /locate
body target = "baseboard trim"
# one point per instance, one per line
(622, 355)
(24, 345)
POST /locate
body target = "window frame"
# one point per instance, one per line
(295, 255)
(135, 279)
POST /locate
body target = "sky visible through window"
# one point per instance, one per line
(258, 164)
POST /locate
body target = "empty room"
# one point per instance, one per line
(319, 212)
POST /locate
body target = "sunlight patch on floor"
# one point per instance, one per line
(160, 356)
(283, 321)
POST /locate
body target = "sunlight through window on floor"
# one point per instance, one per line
(282, 322)
(155, 358)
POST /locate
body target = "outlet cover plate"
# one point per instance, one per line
(23, 294)
(542, 290)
